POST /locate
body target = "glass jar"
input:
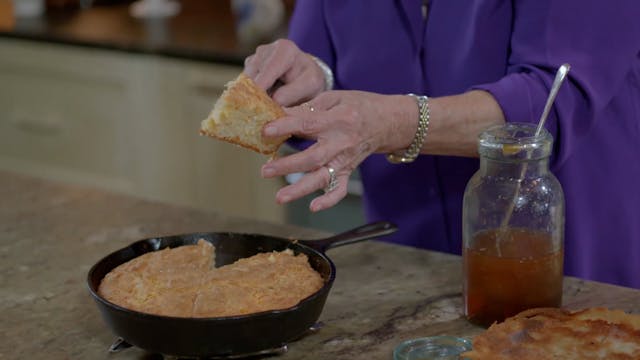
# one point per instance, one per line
(432, 348)
(513, 226)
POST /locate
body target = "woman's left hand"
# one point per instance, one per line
(348, 126)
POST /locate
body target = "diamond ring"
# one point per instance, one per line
(308, 106)
(333, 180)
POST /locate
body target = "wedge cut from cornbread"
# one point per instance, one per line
(239, 115)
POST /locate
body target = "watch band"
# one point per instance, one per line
(412, 152)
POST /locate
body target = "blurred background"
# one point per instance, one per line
(110, 94)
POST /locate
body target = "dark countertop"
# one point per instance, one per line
(203, 30)
(51, 233)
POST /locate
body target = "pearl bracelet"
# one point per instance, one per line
(412, 152)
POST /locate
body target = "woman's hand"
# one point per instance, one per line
(296, 75)
(348, 126)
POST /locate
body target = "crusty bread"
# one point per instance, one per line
(239, 115)
(552, 333)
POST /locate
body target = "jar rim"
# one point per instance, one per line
(434, 347)
(511, 139)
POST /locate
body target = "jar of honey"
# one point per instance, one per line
(513, 226)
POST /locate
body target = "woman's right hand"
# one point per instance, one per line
(296, 76)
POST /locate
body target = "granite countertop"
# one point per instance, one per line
(203, 30)
(51, 233)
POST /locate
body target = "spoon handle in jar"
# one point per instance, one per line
(561, 74)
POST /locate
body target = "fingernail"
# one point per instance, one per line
(314, 207)
(282, 198)
(268, 171)
(270, 130)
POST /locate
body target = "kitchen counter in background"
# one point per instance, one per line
(203, 30)
(50, 235)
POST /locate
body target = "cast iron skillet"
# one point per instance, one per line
(232, 335)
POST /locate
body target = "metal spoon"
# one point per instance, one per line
(561, 74)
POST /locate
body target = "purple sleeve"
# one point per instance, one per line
(601, 42)
(309, 31)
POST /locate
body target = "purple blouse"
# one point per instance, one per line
(511, 49)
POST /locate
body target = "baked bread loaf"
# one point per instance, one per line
(182, 282)
(239, 115)
(263, 282)
(552, 333)
(163, 282)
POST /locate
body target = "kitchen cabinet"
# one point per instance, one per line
(126, 122)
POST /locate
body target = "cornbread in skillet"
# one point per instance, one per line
(161, 282)
(552, 333)
(239, 115)
(266, 281)
(181, 282)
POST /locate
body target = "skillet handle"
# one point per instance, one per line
(365, 232)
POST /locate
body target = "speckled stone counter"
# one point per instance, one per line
(50, 235)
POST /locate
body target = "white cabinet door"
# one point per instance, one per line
(64, 115)
(125, 122)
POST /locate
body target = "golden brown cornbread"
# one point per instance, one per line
(161, 282)
(181, 282)
(266, 281)
(552, 333)
(239, 115)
